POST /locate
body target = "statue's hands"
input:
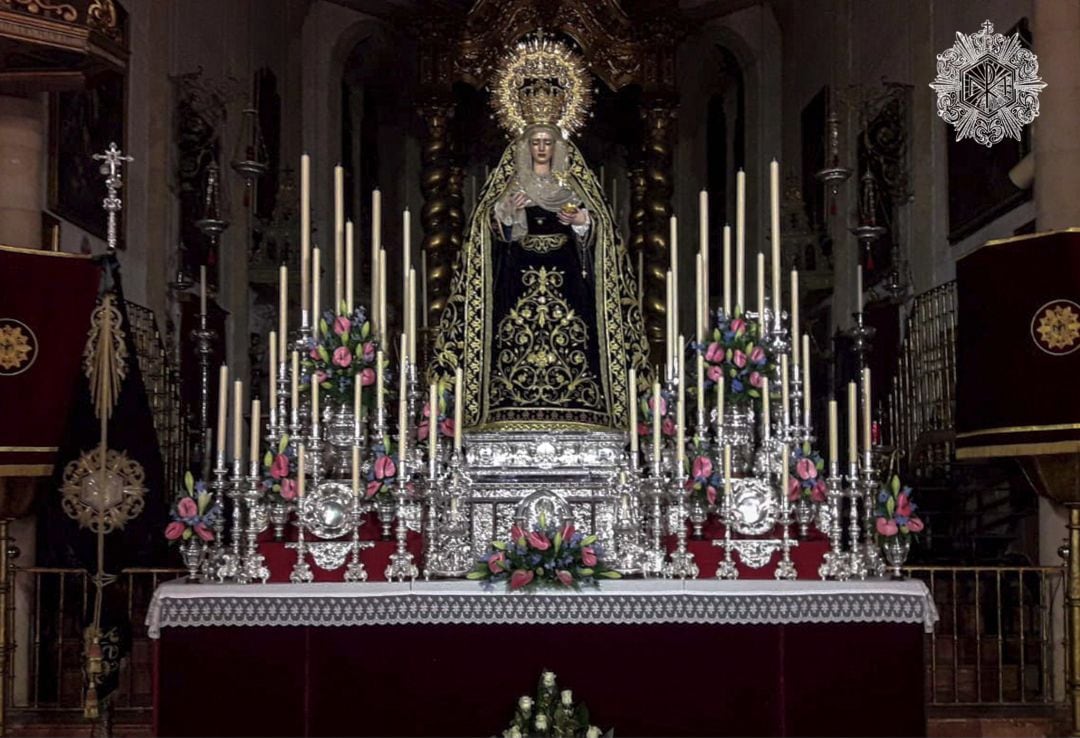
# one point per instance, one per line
(518, 200)
(578, 217)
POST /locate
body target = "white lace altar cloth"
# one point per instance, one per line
(178, 604)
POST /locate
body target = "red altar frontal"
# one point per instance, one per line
(649, 658)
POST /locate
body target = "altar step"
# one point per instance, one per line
(1002, 722)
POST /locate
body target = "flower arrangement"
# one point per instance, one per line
(345, 348)
(705, 479)
(895, 512)
(280, 470)
(667, 414)
(548, 554)
(194, 514)
(735, 353)
(383, 472)
(443, 414)
(551, 713)
(806, 474)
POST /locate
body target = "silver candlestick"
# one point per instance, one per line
(652, 560)
(834, 565)
(212, 562)
(355, 571)
(875, 566)
(856, 560)
(254, 563)
(681, 563)
(401, 566)
(232, 563)
(204, 347)
(301, 572)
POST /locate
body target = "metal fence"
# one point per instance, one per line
(1000, 640)
(47, 639)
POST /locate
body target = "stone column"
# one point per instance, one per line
(22, 140)
(1056, 36)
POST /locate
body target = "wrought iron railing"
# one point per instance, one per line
(47, 638)
(921, 406)
(999, 640)
(163, 394)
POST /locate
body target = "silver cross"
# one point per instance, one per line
(112, 162)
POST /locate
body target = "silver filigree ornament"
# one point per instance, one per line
(988, 86)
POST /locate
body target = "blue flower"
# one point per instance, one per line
(736, 385)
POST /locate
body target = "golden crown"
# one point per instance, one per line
(541, 81)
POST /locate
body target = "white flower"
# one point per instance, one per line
(567, 697)
(541, 722)
(592, 732)
(513, 732)
(525, 705)
(548, 678)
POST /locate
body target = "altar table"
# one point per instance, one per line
(648, 657)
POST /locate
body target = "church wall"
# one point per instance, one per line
(753, 37)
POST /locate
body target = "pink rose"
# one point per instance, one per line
(806, 469)
(372, 488)
(667, 427)
(739, 326)
(714, 354)
(174, 530)
(516, 533)
(320, 376)
(520, 578)
(710, 494)
(446, 427)
(702, 467)
(367, 377)
(903, 505)
(288, 489)
(422, 431)
(793, 489)
(887, 527)
(203, 532)
(739, 359)
(280, 467)
(820, 492)
(914, 525)
(642, 429)
(757, 355)
(714, 372)
(663, 405)
(588, 556)
(538, 540)
(369, 352)
(385, 467)
(187, 508)
(495, 562)
(314, 354)
(342, 357)
(565, 577)
(756, 380)
(342, 325)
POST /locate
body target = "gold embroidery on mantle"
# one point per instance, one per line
(540, 349)
(544, 244)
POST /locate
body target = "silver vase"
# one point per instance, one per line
(279, 517)
(896, 550)
(385, 507)
(698, 515)
(191, 551)
(339, 428)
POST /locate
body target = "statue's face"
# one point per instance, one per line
(541, 146)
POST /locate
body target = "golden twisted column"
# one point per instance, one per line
(440, 217)
(655, 213)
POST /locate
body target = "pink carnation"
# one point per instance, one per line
(739, 326)
(588, 556)
(739, 359)
(495, 562)
(279, 469)
(757, 355)
(203, 532)
(369, 352)
(174, 530)
(385, 467)
(288, 489)
(446, 427)
(342, 325)
(565, 577)
(903, 505)
(756, 380)
(714, 373)
(819, 491)
(367, 377)
(714, 353)
(702, 467)
(914, 525)
(538, 540)
(667, 427)
(372, 488)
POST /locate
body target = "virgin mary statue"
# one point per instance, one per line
(542, 316)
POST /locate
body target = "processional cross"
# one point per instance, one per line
(112, 163)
